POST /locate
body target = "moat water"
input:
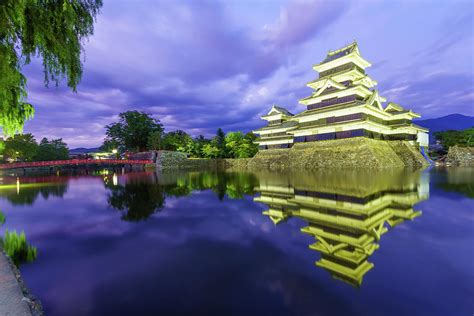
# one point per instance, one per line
(207, 243)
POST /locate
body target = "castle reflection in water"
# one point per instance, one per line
(347, 213)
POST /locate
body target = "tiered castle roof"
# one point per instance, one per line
(343, 99)
(342, 74)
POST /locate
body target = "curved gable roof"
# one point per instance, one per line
(279, 110)
(394, 107)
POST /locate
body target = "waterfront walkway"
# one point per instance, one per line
(12, 301)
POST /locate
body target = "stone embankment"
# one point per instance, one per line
(173, 160)
(460, 156)
(356, 153)
(14, 296)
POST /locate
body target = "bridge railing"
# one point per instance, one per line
(73, 162)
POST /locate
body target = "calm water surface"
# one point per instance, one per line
(204, 243)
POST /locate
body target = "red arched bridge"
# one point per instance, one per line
(73, 162)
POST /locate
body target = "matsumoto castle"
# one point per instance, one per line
(341, 106)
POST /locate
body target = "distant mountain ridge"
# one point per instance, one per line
(82, 150)
(455, 122)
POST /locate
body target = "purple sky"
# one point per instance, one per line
(199, 65)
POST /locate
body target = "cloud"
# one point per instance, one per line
(452, 30)
(183, 62)
(300, 20)
(436, 94)
(202, 65)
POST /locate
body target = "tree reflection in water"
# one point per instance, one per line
(459, 180)
(25, 190)
(234, 185)
(139, 195)
(138, 198)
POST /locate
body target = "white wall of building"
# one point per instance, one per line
(423, 139)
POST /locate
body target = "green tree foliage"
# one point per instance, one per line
(133, 130)
(109, 146)
(177, 140)
(463, 138)
(155, 140)
(248, 148)
(55, 149)
(138, 131)
(21, 147)
(240, 146)
(219, 142)
(210, 151)
(199, 143)
(191, 147)
(232, 142)
(194, 147)
(232, 145)
(2, 146)
(53, 30)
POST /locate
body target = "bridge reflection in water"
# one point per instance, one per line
(346, 212)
